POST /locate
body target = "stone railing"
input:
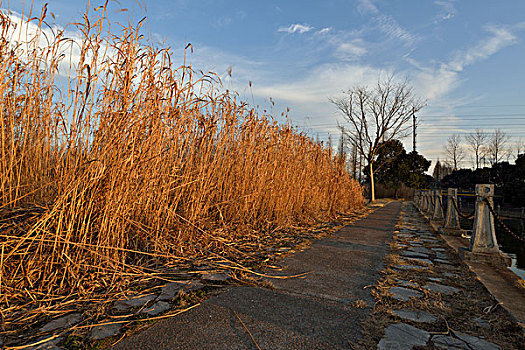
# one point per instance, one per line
(483, 243)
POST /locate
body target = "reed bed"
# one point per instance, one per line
(136, 164)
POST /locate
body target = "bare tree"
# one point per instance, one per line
(454, 151)
(476, 141)
(519, 147)
(497, 146)
(376, 116)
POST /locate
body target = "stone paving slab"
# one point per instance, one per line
(438, 249)
(411, 254)
(157, 308)
(49, 345)
(62, 322)
(172, 289)
(419, 261)
(402, 336)
(107, 328)
(216, 277)
(419, 250)
(404, 294)
(410, 267)
(136, 301)
(415, 316)
(408, 284)
(462, 341)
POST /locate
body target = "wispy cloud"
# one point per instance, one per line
(500, 37)
(389, 26)
(367, 7)
(307, 97)
(351, 50)
(436, 82)
(324, 30)
(224, 21)
(296, 28)
(345, 45)
(447, 12)
(386, 23)
(323, 81)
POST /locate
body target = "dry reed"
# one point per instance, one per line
(135, 163)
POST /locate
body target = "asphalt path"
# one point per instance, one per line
(322, 310)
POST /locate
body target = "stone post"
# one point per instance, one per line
(430, 208)
(452, 218)
(483, 244)
(483, 232)
(438, 208)
(416, 198)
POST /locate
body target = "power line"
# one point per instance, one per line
(477, 106)
(421, 124)
(474, 115)
(442, 132)
(477, 126)
(476, 118)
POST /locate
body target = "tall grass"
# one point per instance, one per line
(136, 161)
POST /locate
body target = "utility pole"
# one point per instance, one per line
(354, 158)
(360, 167)
(341, 149)
(413, 130)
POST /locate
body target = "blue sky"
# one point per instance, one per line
(464, 57)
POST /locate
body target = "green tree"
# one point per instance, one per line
(394, 166)
(417, 166)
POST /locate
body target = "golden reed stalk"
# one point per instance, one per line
(129, 164)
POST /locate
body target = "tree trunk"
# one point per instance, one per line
(372, 186)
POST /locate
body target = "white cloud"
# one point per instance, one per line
(28, 36)
(447, 12)
(433, 84)
(308, 97)
(209, 58)
(501, 37)
(241, 14)
(324, 81)
(325, 30)
(344, 45)
(436, 82)
(386, 23)
(389, 26)
(224, 21)
(296, 28)
(351, 50)
(367, 6)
